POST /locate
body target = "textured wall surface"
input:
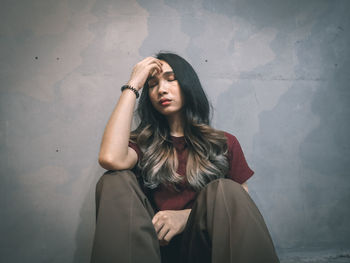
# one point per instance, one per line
(276, 72)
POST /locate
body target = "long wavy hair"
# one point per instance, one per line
(207, 147)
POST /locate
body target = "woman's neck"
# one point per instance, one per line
(176, 125)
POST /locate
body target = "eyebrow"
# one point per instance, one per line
(165, 74)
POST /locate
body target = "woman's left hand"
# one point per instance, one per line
(169, 223)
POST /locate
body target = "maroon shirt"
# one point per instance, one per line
(164, 198)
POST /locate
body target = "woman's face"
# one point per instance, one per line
(165, 92)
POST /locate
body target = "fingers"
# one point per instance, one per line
(164, 229)
(150, 60)
(162, 232)
(157, 61)
(153, 59)
(161, 229)
(155, 68)
(159, 223)
(168, 236)
(153, 62)
(143, 69)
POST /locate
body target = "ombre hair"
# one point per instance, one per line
(207, 147)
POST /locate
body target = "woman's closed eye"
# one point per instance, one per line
(153, 83)
(170, 77)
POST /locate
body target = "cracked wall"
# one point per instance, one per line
(277, 74)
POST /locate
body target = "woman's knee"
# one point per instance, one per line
(224, 183)
(114, 181)
(116, 176)
(223, 186)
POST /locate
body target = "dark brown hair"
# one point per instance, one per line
(207, 147)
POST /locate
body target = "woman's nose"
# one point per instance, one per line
(163, 88)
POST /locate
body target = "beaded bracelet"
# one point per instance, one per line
(133, 89)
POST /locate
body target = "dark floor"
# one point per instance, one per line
(320, 256)
(317, 260)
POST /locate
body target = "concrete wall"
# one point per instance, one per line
(276, 72)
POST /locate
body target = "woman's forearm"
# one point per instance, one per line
(114, 145)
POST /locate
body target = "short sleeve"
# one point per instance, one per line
(239, 171)
(137, 149)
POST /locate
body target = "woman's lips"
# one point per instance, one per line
(165, 102)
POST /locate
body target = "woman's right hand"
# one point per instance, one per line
(142, 70)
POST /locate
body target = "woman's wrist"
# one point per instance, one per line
(132, 89)
(135, 85)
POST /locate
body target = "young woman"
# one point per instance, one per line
(176, 190)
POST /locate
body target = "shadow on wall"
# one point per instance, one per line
(308, 158)
(302, 146)
(325, 151)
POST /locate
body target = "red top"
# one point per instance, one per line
(163, 198)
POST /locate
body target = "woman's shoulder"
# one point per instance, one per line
(233, 145)
(231, 139)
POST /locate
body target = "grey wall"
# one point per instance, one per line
(277, 73)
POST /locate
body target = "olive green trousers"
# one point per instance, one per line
(224, 226)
